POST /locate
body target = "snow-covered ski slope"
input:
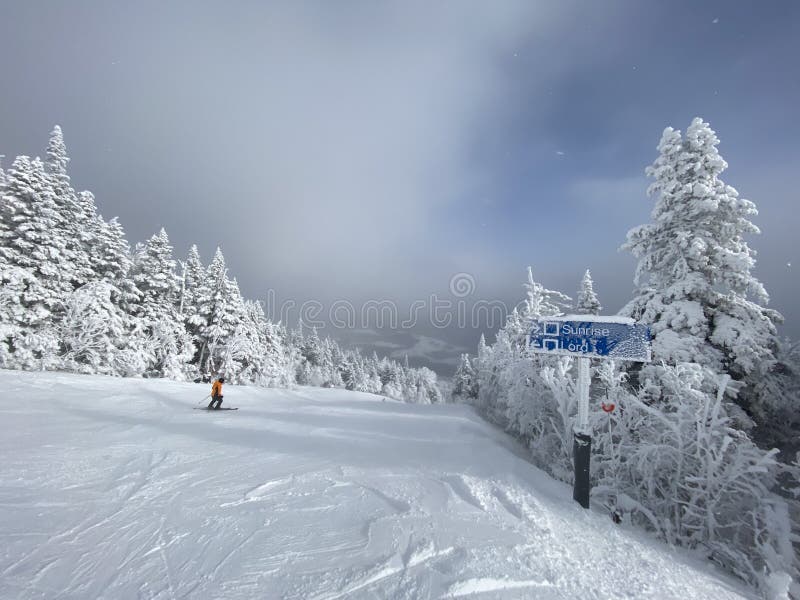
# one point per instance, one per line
(116, 488)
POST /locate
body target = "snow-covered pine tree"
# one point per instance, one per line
(481, 364)
(111, 259)
(538, 407)
(34, 263)
(312, 348)
(540, 302)
(390, 378)
(57, 161)
(193, 278)
(219, 311)
(296, 335)
(373, 376)
(31, 267)
(587, 302)
(75, 215)
(281, 356)
(348, 371)
(89, 234)
(698, 479)
(2, 190)
(30, 229)
(242, 348)
(173, 350)
(326, 368)
(427, 385)
(333, 359)
(112, 256)
(94, 331)
(464, 380)
(526, 393)
(193, 275)
(3, 227)
(154, 276)
(27, 339)
(511, 391)
(5, 224)
(695, 283)
(258, 365)
(354, 376)
(155, 279)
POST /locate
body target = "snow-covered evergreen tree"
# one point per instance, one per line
(220, 311)
(243, 352)
(465, 380)
(3, 226)
(540, 302)
(332, 354)
(95, 331)
(31, 232)
(427, 385)
(35, 271)
(27, 337)
(74, 215)
(281, 356)
(111, 257)
(57, 161)
(194, 273)
(89, 234)
(374, 383)
(155, 278)
(696, 287)
(312, 348)
(263, 366)
(587, 302)
(511, 390)
(508, 383)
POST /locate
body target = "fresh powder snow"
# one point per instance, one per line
(116, 488)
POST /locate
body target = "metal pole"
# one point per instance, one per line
(582, 442)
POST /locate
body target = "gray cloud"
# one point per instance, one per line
(302, 138)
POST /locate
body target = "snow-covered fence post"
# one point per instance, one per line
(586, 337)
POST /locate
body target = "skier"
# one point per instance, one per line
(216, 394)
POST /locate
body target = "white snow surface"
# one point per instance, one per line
(593, 319)
(116, 488)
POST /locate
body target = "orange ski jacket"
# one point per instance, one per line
(216, 389)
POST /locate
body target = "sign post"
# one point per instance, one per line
(585, 337)
(582, 440)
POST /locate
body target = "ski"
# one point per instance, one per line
(214, 409)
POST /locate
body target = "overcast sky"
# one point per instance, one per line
(373, 150)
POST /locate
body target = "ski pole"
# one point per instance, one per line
(209, 395)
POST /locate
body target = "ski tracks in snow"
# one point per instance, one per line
(422, 557)
(315, 494)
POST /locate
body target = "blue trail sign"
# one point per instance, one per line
(586, 337)
(590, 336)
